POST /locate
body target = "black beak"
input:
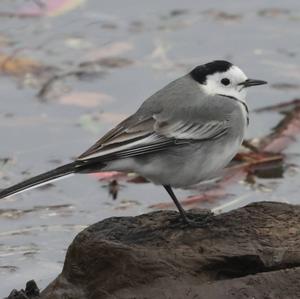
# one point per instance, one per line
(252, 82)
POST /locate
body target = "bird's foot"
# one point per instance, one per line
(193, 219)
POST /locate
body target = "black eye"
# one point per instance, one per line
(225, 81)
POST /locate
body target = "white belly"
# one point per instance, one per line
(182, 167)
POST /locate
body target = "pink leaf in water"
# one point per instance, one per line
(85, 99)
(49, 8)
(109, 175)
(109, 50)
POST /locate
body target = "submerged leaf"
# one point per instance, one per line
(284, 133)
(85, 99)
(112, 118)
(17, 66)
(108, 176)
(285, 86)
(91, 123)
(50, 8)
(223, 15)
(273, 12)
(109, 50)
(49, 88)
(109, 62)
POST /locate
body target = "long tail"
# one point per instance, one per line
(44, 178)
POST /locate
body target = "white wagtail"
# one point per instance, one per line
(183, 134)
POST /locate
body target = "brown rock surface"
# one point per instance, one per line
(251, 252)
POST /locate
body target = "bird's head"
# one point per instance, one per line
(221, 77)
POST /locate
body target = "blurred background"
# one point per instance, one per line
(71, 69)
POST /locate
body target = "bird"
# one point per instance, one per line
(183, 134)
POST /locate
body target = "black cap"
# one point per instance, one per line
(200, 72)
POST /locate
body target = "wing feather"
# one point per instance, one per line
(126, 132)
(145, 135)
(193, 131)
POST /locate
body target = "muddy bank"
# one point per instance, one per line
(251, 252)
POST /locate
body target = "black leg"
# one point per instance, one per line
(178, 205)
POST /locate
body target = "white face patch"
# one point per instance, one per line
(235, 75)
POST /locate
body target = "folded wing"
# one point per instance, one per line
(137, 136)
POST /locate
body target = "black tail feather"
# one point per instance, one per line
(40, 179)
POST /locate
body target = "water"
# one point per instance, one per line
(157, 41)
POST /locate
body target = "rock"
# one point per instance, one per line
(251, 252)
(31, 292)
